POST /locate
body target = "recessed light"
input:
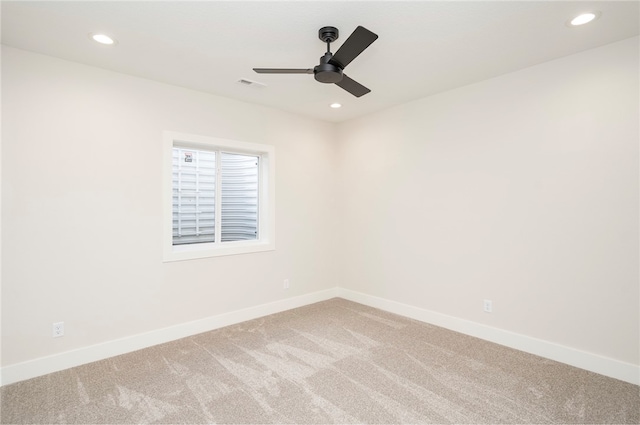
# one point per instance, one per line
(584, 18)
(335, 105)
(102, 39)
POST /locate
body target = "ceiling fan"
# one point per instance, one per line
(330, 69)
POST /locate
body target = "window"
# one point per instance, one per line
(194, 176)
(219, 197)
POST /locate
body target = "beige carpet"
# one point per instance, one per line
(331, 362)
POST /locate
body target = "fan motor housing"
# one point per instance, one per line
(327, 73)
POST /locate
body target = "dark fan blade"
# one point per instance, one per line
(353, 87)
(283, 71)
(359, 40)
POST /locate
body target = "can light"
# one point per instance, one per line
(335, 105)
(102, 39)
(584, 18)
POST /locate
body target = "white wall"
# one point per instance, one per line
(522, 189)
(82, 205)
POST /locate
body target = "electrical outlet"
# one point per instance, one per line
(58, 329)
(488, 306)
(285, 284)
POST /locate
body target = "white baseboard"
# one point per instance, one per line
(44, 365)
(592, 362)
(571, 356)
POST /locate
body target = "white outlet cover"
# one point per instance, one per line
(488, 307)
(58, 329)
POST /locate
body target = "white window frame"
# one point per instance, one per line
(266, 196)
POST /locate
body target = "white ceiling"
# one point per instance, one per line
(423, 47)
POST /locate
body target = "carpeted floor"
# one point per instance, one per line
(330, 362)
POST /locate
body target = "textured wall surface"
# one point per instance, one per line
(82, 207)
(521, 189)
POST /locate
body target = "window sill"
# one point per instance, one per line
(197, 251)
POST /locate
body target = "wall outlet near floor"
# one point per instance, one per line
(58, 329)
(488, 306)
(285, 284)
